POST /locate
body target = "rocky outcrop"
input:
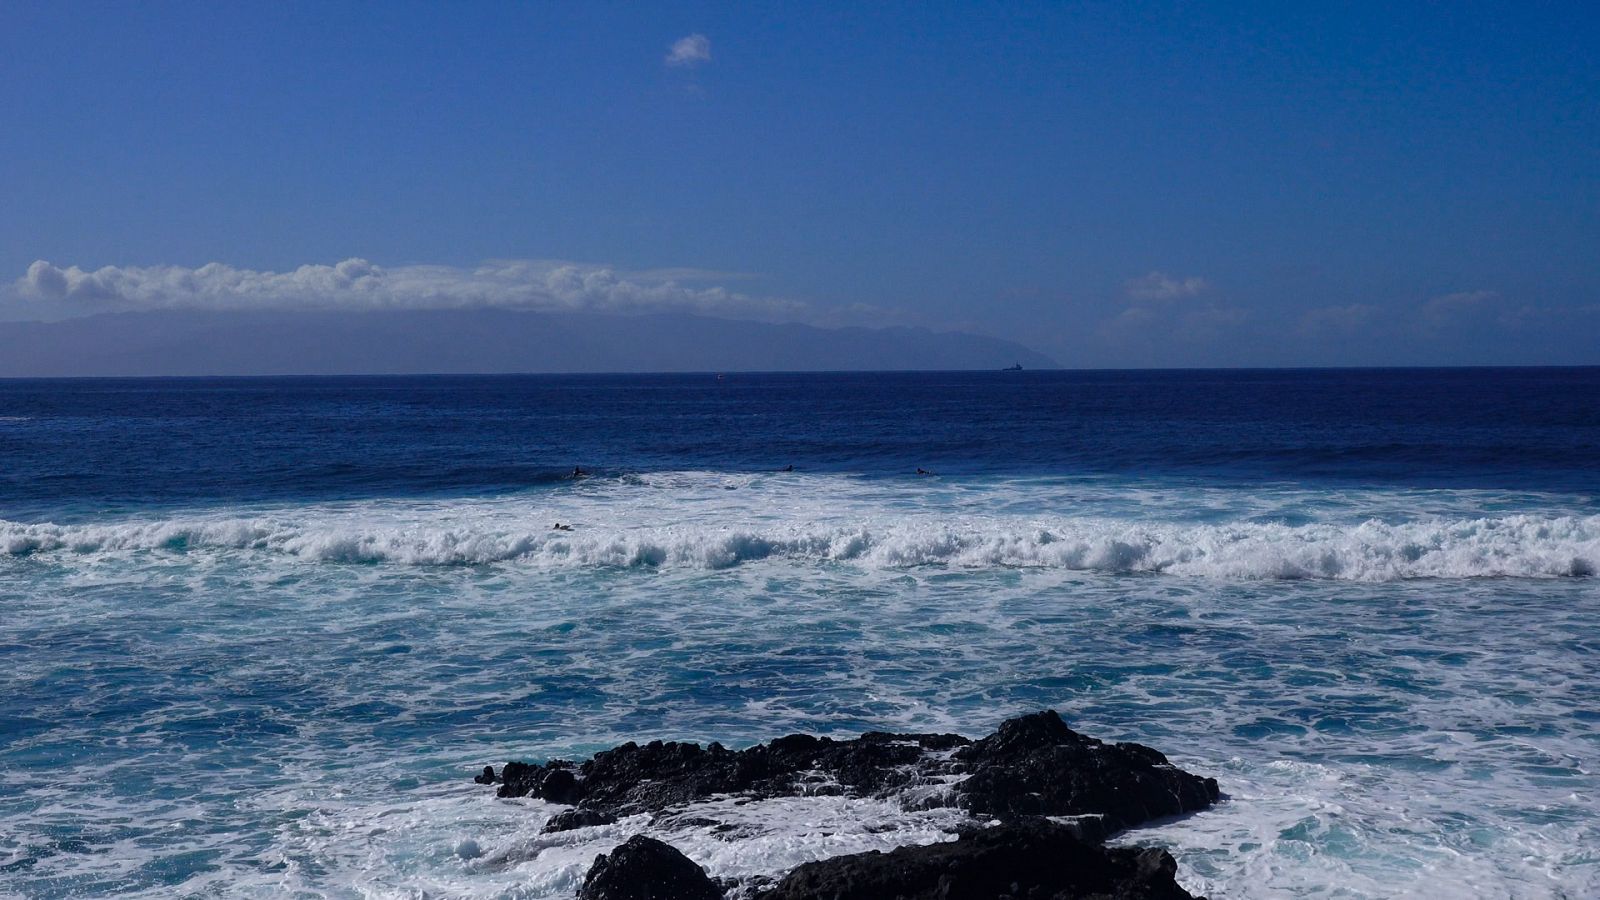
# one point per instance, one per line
(1027, 860)
(644, 868)
(566, 820)
(1033, 765)
(659, 775)
(1036, 765)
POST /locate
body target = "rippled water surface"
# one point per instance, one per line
(252, 648)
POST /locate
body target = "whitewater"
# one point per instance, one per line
(704, 520)
(326, 667)
(274, 671)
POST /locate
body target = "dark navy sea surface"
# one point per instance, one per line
(256, 634)
(102, 442)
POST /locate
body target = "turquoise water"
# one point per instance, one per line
(238, 688)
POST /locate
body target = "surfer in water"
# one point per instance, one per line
(922, 471)
(578, 472)
(560, 527)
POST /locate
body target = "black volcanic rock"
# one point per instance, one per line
(660, 775)
(559, 786)
(1025, 860)
(644, 868)
(568, 819)
(1036, 765)
(1032, 765)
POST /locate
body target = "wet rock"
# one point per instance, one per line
(1032, 765)
(1032, 859)
(559, 786)
(486, 777)
(568, 819)
(520, 779)
(660, 775)
(1036, 765)
(644, 868)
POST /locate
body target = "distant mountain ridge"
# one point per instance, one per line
(480, 341)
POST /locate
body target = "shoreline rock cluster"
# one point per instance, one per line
(1041, 799)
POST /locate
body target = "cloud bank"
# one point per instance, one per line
(356, 284)
(1154, 318)
(689, 51)
(1161, 286)
(1342, 320)
(1447, 309)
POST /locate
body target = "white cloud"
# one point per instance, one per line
(689, 51)
(1161, 286)
(1337, 319)
(356, 284)
(1143, 324)
(1445, 313)
(1208, 323)
(1448, 306)
(1133, 320)
(1152, 320)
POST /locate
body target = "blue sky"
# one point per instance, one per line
(1114, 184)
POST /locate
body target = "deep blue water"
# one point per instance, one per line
(257, 634)
(107, 442)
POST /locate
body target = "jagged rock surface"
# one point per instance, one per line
(1025, 860)
(644, 868)
(1036, 765)
(659, 775)
(1032, 765)
(567, 820)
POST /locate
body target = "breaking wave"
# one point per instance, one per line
(1523, 545)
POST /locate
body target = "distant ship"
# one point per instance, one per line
(1015, 367)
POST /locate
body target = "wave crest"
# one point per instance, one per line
(1525, 546)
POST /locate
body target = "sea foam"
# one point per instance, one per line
(1521, 545)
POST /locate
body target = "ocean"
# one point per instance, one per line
(257, 635)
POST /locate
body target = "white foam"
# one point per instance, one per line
(1413, 739)
(413, 847)
(1386, 737)
(1297, 829)
(1523, 545)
